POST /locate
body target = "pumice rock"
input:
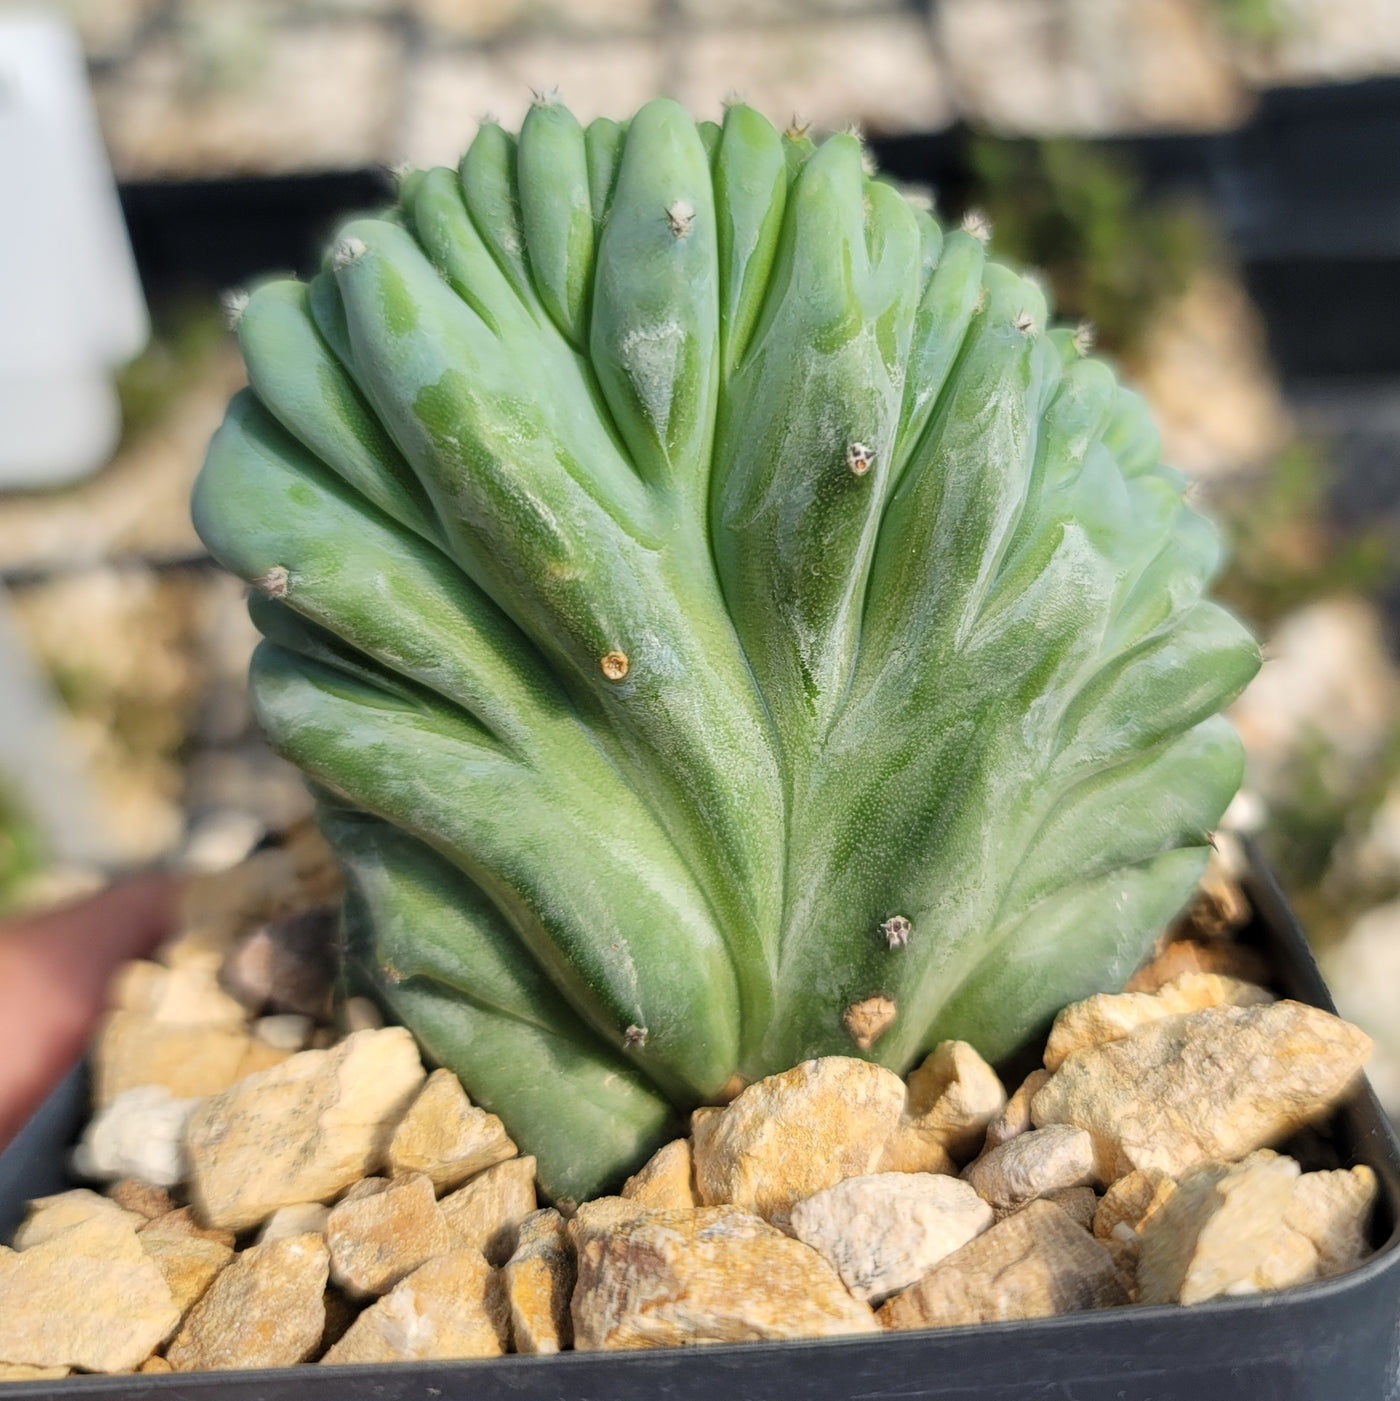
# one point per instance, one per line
(450, 1306)
(301, 1131)
(666, 1179)
(86, 1297)
(376, 1240)
(1033, 1264)
(264, 1309)
(138, 1134)
(1204, 1086)
(1111, 1016)
(143, 1198)
(487, 1212)
(539, 1283)
(952, 1097)
(707, 1275)
(790, 1135)
(881, 1233)
(447, 1137)
(1216, 1230)
(1032, 1165)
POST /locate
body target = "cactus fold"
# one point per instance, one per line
(705, 597)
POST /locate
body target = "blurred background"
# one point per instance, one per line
(1215, 184)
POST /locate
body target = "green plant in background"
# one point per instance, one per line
(186, 337)
(1077, 212)
(21, 848)
(1284, 549)
(722, 623)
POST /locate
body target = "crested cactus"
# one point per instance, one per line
(721, 621)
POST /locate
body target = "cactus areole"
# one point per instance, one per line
(710, 603)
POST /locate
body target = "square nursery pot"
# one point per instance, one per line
(1335, 1340)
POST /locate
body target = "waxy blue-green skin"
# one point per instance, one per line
(604, 394)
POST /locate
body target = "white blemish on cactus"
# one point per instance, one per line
(1024, 322)
(976, 223)
(274, 582)
(1085, 335)
(680, 216)
(234, 304)
(897, 931)
(634, 1036)
(859, 459)
(980, 304)
(615, 665)
(347, 251)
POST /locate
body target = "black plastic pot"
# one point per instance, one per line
(1332, 1341)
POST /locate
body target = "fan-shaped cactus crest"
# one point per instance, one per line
(721, 622)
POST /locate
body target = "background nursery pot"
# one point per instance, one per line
(1334, 1340)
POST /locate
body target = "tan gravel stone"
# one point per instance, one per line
(132, 1049)
(131, 1194)
(1332, 1210)
(539, 1283)
(1132, 1201)
(19, 1372)
(1033, 1164)
(1033, 1264)
(666, 1179)
(365, 1187)
(375, 1241)
(953, 1096)
(706, 1275)
(259, 1055)
(1216, 1230)
(487, 1212)
(1016, 1117)
(790, 1135)
(1206, 1086)
(188, 1264)
(1292, 1259)
(451, 1306)
(881, 1233)
(1111, 1016)
(295, 1221)
(1080, 1204)
(303, 1130)
(155, 1364)
(182, 1223)
(86, 1297)
(447, 1137)
(49, 1216)
(264, 1309)
(1219, 956)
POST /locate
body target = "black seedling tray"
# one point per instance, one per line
(1331, 1341)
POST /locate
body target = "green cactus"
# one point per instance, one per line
(721, 623)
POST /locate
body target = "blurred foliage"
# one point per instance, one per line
(183, 340)
(1077, 213)
(21, 848)
(1254, 21)
(1285, 550)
